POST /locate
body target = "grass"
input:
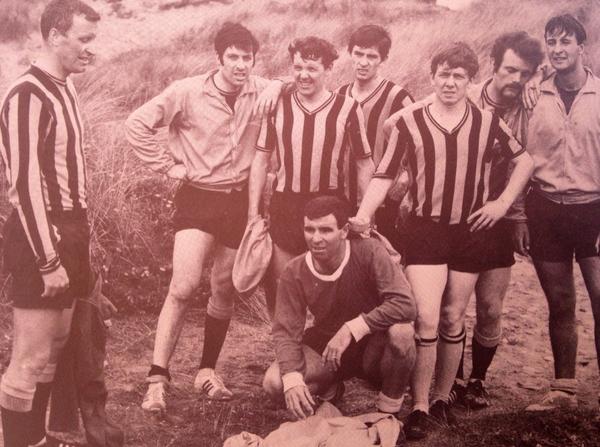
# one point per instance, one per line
(16, 17)
(131, 207)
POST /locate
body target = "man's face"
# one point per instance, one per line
(365, 62)
(450, 84)
(74, 48)
(309, 75)
(323, 237)
(236, 67)
(563, 51)
(511, 76)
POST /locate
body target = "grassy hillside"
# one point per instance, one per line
(131, 207)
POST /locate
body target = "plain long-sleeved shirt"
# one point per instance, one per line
(215, 143)
(566, 147)
(367, 289)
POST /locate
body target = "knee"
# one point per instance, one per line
(401, 338)
(489, 319)
(452, 320)
(181, 292)
(272, 384)
(32, 365)
(427, 324)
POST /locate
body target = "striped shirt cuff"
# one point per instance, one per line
(50, 266)
(383, 175)
(358, 327)
(516, 154)
(292, 379)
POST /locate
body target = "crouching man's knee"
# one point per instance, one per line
(272, 383)
(401, 339)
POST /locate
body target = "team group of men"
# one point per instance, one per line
(479, 168)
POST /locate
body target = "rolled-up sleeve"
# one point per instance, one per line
(141, 128)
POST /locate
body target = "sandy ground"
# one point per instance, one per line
(520, 373)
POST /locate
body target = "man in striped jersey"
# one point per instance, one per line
(213, 129)
(515, 58)
(379, 98)
(46, 245)
(449, 143)
(313, 131)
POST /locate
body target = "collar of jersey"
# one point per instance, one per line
(371, 95)
(36, 69)
(338, 272)
(318, 109)
(208, 86)
(442, 128)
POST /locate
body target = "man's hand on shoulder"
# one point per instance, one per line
(332, 354)
(531, 90)
(360, 225)
(267, 100)
(55, 282)
(299, 401)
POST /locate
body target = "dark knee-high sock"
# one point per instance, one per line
(38, 412)
(215, 331)
(15, 427)
(482, 359)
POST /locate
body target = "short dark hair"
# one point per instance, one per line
(368, 36)
(456, 55)
(233, 34)
(58, 14)
(325, 205)
(567, 24)
(314, 48)
(525, 46)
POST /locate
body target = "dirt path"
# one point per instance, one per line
(520, 372)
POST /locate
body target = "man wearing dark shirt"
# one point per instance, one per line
(363, 309)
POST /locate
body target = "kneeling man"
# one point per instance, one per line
(364, 313)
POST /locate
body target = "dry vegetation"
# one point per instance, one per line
(130, 207)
